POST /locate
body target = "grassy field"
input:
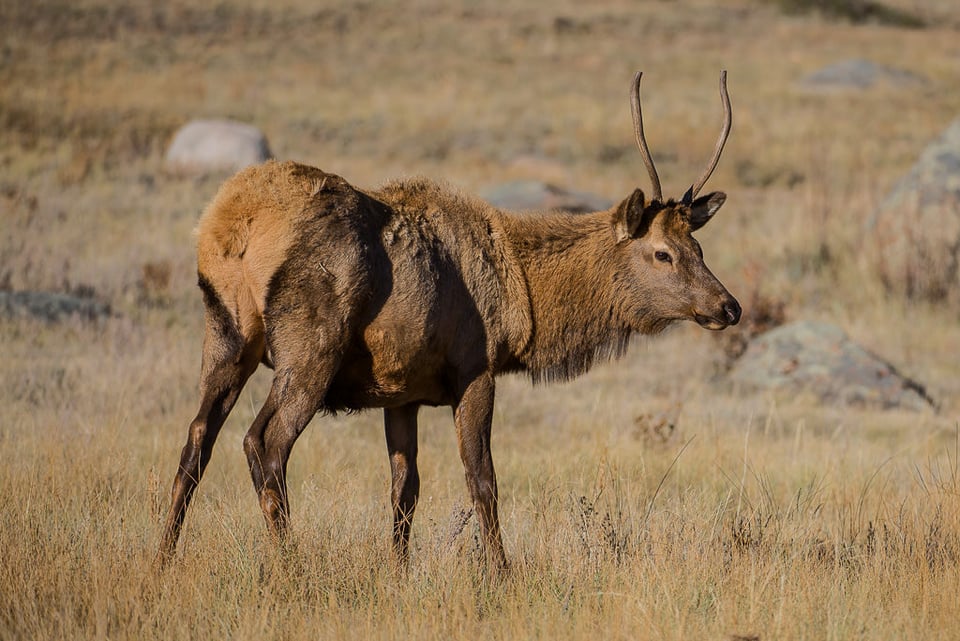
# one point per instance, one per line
(644, 500)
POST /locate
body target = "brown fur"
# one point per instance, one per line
(415, 294)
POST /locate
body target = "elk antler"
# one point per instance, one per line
(727, 120)
(641, 141)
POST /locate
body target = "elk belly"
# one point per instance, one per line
(389, 366)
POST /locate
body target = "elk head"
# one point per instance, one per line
(666, 273)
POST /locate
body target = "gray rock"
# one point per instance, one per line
(535, 195)
(860, 74)
(819, 359)
(915, 233)
(204, 146)
(50, 306)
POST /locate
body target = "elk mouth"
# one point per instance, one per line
(708, 322)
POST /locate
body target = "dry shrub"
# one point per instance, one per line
(153, 288)
(658, 428)
(604, 531)
(761, 313)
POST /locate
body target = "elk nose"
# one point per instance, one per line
(732, 310)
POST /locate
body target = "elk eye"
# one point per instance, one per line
(663, 257)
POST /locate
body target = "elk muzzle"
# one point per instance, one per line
(728, 314)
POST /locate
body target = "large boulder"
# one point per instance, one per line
(523, 195)
(820, 360)
(204, 146)
(915, 232)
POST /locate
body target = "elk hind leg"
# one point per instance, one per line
(229, 358)
(296, 394)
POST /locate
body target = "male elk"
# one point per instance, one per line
(415, 294)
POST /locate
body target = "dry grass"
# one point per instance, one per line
(642, 501)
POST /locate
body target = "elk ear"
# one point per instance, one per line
(703, 209)
(629, 219)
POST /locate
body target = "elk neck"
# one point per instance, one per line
(569, 264)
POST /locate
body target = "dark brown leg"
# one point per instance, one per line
(474, 417)
(227, 364)
(291, 403)
(400, 425)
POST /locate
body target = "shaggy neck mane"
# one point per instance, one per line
(568, 263)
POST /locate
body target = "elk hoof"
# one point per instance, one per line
(274, 511)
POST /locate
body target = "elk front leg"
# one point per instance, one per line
(474, 417)
(400, 426)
